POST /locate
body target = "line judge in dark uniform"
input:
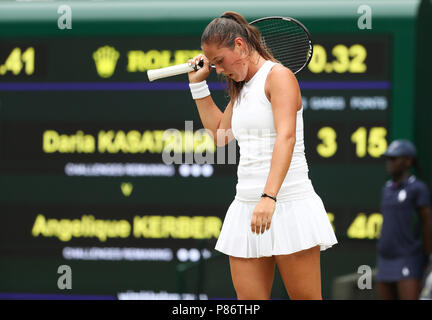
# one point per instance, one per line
(405, 241)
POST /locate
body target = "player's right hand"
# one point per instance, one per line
(202, 73)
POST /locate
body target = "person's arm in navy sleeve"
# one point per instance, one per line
(424, 208)
(425, 216)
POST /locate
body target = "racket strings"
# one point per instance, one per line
(291, 38)
(293, 47)
(286, 41)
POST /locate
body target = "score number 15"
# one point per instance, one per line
(373, 142)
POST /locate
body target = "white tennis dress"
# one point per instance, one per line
(300, 220)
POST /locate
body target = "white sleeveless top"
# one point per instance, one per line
(252, 125)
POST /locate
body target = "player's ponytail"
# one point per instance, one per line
(224, 31)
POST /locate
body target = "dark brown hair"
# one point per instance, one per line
(224, 31)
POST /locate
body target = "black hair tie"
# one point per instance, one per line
(265, 195)
(234, 19)
(229, 17)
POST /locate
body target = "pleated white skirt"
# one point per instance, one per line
(296, 225)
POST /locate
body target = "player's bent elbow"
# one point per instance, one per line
(222, 142)
(223, 137)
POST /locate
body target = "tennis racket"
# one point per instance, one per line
(285, 38)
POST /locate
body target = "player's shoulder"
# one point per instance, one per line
(388, 185)
(418, 184)
(278, 73)
(279, 69)
(415, 186)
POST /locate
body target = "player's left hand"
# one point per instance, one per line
(262, 215)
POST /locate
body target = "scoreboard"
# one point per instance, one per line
(347, 96)
(115, 176)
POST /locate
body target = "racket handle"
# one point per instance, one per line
(169, 71)
(172, 71)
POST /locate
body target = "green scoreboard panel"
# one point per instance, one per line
(115, 177)
(347, 97)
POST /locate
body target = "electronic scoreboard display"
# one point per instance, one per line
(83, 133)
(115, 176)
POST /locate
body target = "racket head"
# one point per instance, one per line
(287, 40)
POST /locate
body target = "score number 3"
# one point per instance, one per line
(373, 144)
(328, 147)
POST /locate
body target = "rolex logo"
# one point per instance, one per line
(106, 60)
(126, 188)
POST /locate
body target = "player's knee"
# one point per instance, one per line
(306, 295)
(252, 296)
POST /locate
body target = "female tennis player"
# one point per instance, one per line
(276, 217)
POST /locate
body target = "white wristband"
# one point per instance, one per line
(199, 90)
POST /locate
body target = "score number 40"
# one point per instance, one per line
(373, 142)
(363, 226)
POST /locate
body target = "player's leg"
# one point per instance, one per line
(387, 290)
(252, 277)
(301, 274)
(408, 289)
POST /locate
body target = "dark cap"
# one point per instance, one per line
(400, 148)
